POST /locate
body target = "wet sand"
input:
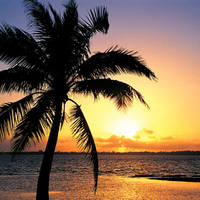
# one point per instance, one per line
(113, 187)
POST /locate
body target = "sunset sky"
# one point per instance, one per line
(166, 34)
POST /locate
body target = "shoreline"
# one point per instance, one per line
(178, 179)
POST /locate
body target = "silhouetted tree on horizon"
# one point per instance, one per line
(51, 65)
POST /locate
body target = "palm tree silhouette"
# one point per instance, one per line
(51, 65)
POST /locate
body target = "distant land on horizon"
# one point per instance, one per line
(112, 153)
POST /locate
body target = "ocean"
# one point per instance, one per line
(121, 176)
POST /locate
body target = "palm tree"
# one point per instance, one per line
(49, 67)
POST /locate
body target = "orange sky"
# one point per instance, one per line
(167, 35)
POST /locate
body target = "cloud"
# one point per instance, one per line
(168, 138)
(144, 133)
(114, 142)
(137, 136)
(151, 137)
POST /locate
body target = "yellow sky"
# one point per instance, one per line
(169, 42)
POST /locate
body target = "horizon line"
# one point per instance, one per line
(186, 152)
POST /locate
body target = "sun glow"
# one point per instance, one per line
(127, 129)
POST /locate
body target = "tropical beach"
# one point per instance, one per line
(99, 99)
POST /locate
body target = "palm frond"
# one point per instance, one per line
(57, 17)
(81, 131)
(39, 18)
(21, 79)
(71, 5)
(70, 16)
(115, 61)
(11, 113)
(63, 116)
(18, 47)
(120, 93)
(97, 21)
(34, 124)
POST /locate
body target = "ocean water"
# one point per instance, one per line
(120, 177)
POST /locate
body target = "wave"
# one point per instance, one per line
(17, 174)
(106, 172)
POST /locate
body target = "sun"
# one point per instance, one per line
(129, 131)
(126, 128)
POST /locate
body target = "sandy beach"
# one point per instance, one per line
(113, 187)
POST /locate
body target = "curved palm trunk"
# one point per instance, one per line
(43, 180)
